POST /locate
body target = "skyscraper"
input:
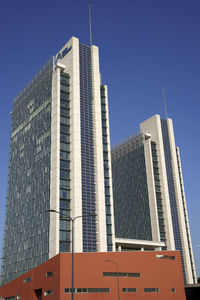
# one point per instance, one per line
(59, 159)
(148, 184)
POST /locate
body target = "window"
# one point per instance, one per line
(88, 290)
(64, 194)
(64, 183)
(120, 274)
(104, 139)
(104, 131)
(64, 79)
(106, 181)
(107, 198)
(65, 174)
(98, 290)
(108, 209)
(104, 123)
(107, 190)
(64, 96)
(64, 112)
(173, 290)
(103, 115)
(108, 229)
(64, 246)
(64, 225)
(64, 235)
(49, 274)
(108, 220)
(106, 172)
(64, 120)
(64, 164)
(48, 292)
(64, 128)
(109, 239)
(129, 290)
(28, 279)
(64, 155)
(166, 257)
(65, 204)
(64, 103)
(64, 147)
(64, 213)
(64, 138)
(105, 147)
(64, 88)
(151, 290)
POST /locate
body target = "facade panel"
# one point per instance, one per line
(27, 227)
(130, 192)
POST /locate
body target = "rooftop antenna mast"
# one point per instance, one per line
(89, 3)
(163, 90)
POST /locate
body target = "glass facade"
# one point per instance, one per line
(64, 162)
(130, 191)
(87, 151)
(26, 236)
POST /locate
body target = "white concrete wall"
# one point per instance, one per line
(186, 216)
(152, 126)
(179, 203)
(71, 61)
(151, 191)
(55, 165)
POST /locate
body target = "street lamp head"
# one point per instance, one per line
(52, 210)
(62, 215)
(111, 261)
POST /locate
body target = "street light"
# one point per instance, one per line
(114, 262)
(72, 220)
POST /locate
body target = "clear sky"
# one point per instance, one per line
(145, 45)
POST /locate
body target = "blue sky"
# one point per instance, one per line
(145, 45)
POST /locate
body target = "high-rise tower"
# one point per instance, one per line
(59, 159)
(149, 199)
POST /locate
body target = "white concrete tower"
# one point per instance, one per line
(170, 190)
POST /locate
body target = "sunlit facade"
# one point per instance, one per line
(149, 199)
(60, 160)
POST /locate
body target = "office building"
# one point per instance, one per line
(59, 160)
(110, 276)
(148, 191)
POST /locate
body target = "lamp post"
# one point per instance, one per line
(116, 264)
(72, 220)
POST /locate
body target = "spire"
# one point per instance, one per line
(165, 106)
(90, 22)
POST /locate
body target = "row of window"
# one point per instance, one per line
(121, 274)
(64, 165)
(106, 170)
(107, 290)
(95, 290)
(158, 193)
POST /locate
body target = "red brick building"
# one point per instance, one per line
(141, 275)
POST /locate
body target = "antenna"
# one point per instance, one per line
(163, 90)
(89, 3)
